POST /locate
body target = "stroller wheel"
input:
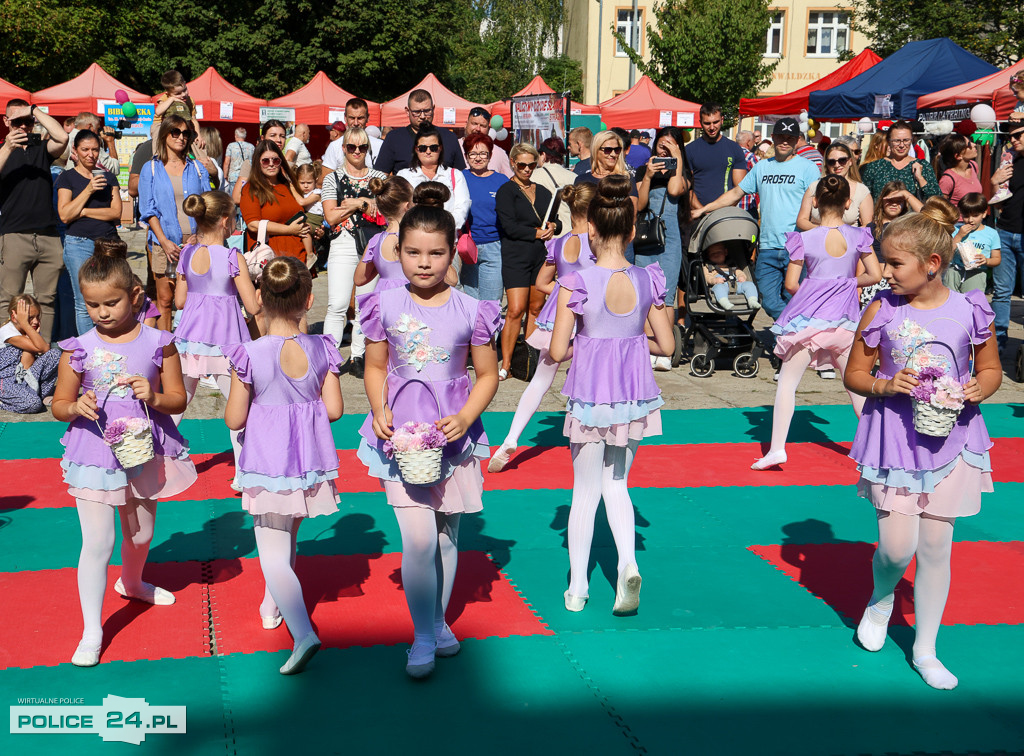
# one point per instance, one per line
(745, 365)
(702, 365)
(1019, 365)
(677, 354)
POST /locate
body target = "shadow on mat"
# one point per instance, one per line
(603, 553)
(806, 426)
(173, 577)
(551, 431)
(228, 537)
(354, 539)
(15, 502)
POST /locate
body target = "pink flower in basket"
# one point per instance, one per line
(938, 389)
(414, 436)
(118, 429)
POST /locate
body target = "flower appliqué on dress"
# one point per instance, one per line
(912, 335)
(415, 348)
(109, 374)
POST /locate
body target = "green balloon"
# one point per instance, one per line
(497, 122)
(129, 110)
(604, 126)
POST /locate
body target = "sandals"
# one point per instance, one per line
(502, 374)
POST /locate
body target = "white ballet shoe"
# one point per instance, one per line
(304, 651)
(235, 485)
(501, 458)
(152, 595)
(870, 634)
(575, 603)
(771, 459)
(627, 591)
(934, 673)
(420, 663)
(447, 644)
(86, 656)
(271, 623)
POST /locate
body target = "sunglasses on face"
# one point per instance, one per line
(611, 150)
(352, 149)
(25, 122)
(179, 133)
(1017, 135)
(422, 148)
(526, 166)
(270, 162)
(837, 161)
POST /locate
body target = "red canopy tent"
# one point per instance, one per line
(10, 91)
(392, 113)
(209, 91)
(321, 102)
(538, 86)
(794, 102)
(993, 90)
(645, 106)
(87, 91)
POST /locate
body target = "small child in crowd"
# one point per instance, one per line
(976, 247)
(175, 100)
(719, 278)
(28, 367)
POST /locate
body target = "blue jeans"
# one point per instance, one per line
(78, 249)
(671, 259)
(1004, 275)
(482, 280)
(770, 270)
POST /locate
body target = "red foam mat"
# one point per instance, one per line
(357, 600)
(43, 621)
(840, 575)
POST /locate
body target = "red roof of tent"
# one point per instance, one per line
(993, 89)
(794, 102)
(392, 113)
(83, 92)
(537, 86)
(210, 89)
(315, 102)
(10, 91)
(643, 105)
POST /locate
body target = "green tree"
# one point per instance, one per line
(991, 29)
(708, 50)
(564, 74)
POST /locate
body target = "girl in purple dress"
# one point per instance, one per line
(613, 400)
(393, 198)
(816, 328)
(145, 311)
(919, 484)
(211, 278)
(419, 337)
(565, 254)
(285, 390)
(119, 374)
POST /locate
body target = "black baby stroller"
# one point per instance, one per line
(714, 332)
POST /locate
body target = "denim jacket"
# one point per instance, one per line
(156, 196)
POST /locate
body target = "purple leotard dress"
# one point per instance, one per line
(288, 461)
(390, 272)
(612, 396)
(541, 337)
(148, 310)
(903, 470)
(91, 470)
(428, 349)
(822, 316)
(212, 319)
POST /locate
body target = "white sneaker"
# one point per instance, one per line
(663, 364)
(776, 376)
(207, 382)
(827, 374)
(1002, 195)
(724, 303)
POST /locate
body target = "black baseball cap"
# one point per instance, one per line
(786, 127)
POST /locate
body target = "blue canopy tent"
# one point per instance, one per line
(916, 69)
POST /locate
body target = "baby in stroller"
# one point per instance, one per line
(719, 276)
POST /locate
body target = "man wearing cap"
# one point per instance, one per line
(396, 153)
(639, 153)
(780, 183)
(1011, 229)
(357, 115)
(478, 122)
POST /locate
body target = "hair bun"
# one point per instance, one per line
(613, 190)
(194, 206)
(375, 185)
(431, 194)
(569, 193)
(940, 210)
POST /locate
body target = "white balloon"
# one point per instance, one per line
(803, 116)
(865, 125)
(492, 133)
(983, 116)
(502, 135)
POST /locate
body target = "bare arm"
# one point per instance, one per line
(58, 137)
(803, 218)
(872, 270)
(375, 370)
(731, 197)
(546, 278)
(181, 292)
(237, 411)
(663, 341)
(245, 287)
(561, 334)
(330, 393)
(793, 270)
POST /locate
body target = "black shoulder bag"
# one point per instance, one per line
(650, 230)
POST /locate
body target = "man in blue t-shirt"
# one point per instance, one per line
(718, 163)
(781, 183)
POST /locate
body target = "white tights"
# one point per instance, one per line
(275, 540)
(137, 520)
(599, 471)
(530, 401)
(224, 384)
(790, 374)
(430, 555)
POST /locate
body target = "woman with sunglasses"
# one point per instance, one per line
(522, 205)
(270, 195)
(839, 161)
(482, 280)
(607, 159)
(901, 165)
(346, 197)
(164, 183)
(273, 131)
(427, 164)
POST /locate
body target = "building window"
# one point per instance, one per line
(828, 33)
(773, 47)
(624, 26)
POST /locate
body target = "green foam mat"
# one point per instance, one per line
(193, 683)
(806, 691)
(498, 696)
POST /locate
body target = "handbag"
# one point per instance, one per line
(259, 255)
(466, 247)
(524, 360)
(650, 230)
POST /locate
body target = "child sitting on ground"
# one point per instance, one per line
(976, 247)
(28, 367)
(718, 277)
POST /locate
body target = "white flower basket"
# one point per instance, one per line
(930, 420)
(133, 449)
(419, 467)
